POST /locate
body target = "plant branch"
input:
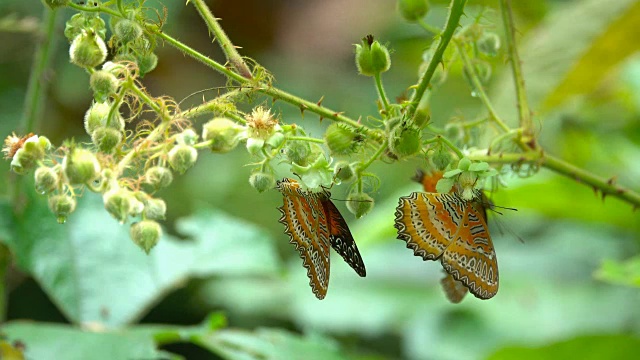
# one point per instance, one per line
(233, 57)
(455, 12)
(521, 95)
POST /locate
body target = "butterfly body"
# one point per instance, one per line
(448, 228)
(314, 224)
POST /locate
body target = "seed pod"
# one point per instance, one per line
(80, 166)
(145, 234)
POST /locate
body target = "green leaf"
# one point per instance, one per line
(93, 272)
(269, 344)
(596, 347)
(620, 272)
(479, 166)
(444, 185)
(452, 173)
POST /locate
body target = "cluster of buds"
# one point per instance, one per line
(469, 177)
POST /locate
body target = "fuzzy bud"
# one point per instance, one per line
(344, 171)
(25, 152)
(46, 179)
(441, 158)
(62, 206)
(489, 44)
(359, 204)
(404, 140)
(98, 116)
(147, 62)
(182, 157)
(412, 10)
(342, 139)
(145, 234)
(121, 203)
(127, 30)
(88, 50)
(262, 181)
(154, 209)
(80, 166)
(371, 57)
(106, 139)
(187, 137)
(158, 177)
(104, 84)
(298, 152)
(223, 134)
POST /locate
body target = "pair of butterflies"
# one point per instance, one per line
(435, 226)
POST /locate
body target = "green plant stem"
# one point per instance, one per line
(432, 29)
(478, 88)
(521, 95)
(381, 93)
(448, 143)
(456, 9)
(373, 158)
(304, 138)
(101, 9)
(228, 48)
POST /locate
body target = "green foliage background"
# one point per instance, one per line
(569, 289)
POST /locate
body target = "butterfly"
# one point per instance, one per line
(448, 228)
(313, 223)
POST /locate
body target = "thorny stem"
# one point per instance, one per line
(455, 12)
(228, 48)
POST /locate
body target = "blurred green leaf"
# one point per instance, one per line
(596, 347)
(94, 273)
(269, 344)
(620, 272)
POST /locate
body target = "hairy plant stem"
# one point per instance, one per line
(456, 9)
(381, 93)
(233, 57)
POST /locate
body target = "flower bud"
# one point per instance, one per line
(262, 181)
(404, 140)
(182, 157)
(147, 62)
(106, 139)
(62, 206)
(154, 209)
(46, 179)
(412, 10)
(489, 44)
(54, 4)
(88, 50)
(80, 166)
(158, 177)
(187, 137)
(342, 139)
(145, 234)
(127, 30)
(359, 204)
(298, 152)
(441, 158)
(104, 84)
(121, 203)
(223, 134)
(98, 115)
(371, 57)
(343, 171)
(25, 152)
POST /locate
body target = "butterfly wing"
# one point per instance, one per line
(428, 222)
(303, 218)
(453, 289)
(341, 239)
(471, 258)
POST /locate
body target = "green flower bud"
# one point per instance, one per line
(147, 62)
(80, 166)
(371, 57)
(25, 152)
(62, 206)
(125, 57)
(412, 10)
(106, 139)
(441, 158)
(464, 164)
(343, 171)
(182, 157)
(127, 30)
(262, 181)
(145, 234)
(103, 84)
(298, 152)
(342, 139)
(121, 203)
(54, 4)
(154, 209)
(97, 117)
(359, 204)
(88, 50)
(187, 137)
(223, 134)
(46, 179)
(158, 177)
(404, 140)
(489, 44)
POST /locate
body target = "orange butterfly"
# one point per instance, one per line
(313, 223)
(453, 230)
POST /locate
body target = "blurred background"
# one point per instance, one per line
(568, 259)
